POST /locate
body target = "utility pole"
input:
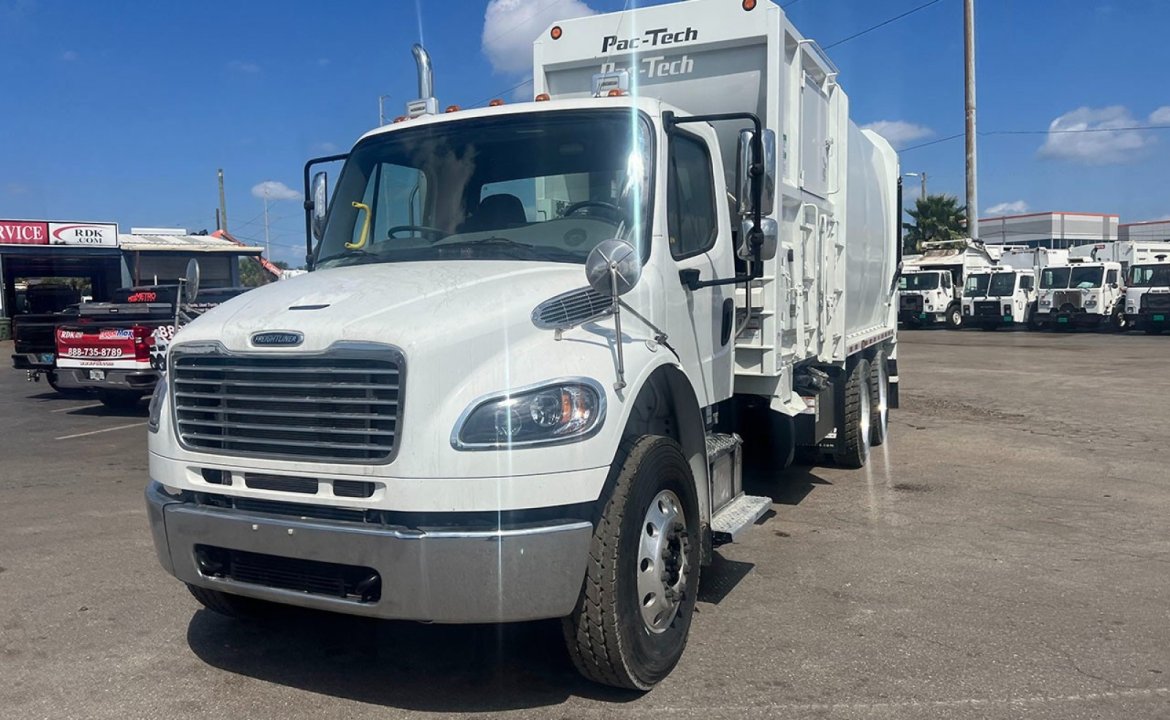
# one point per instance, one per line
(969, 75)
(921, 176)
(267, 252)
(222, 204)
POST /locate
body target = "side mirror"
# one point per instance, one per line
(190, 287)
(320, 199)
(771, 238)
(613, 267)
(744, 178)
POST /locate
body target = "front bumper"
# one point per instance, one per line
(1149, 318)
(469, 574)
(1069, 319)
(141, 380)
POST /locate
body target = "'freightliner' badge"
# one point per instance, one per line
(280, 338)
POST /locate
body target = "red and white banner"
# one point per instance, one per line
(19, 232)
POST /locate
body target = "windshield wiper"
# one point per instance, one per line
(348, 254)
(493, 240)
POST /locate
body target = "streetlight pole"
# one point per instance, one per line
(922, 177)
(969, 75)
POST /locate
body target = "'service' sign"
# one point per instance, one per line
(20, 232)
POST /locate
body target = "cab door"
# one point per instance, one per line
(698, 230)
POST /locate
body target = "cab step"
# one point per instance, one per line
(735, 518)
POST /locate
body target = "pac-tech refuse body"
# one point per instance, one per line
(538, 339)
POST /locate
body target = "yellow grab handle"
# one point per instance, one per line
(361, 243)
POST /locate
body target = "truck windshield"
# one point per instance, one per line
(919, 281)
(1086, 277)
(542, 186)
(976, 285)
(1054, 278)
(1150, 276)
(1003, 284)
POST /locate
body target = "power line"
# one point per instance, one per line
(881, 24)
(1063, 131)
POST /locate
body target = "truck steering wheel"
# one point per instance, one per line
(431, 233)
(621, 214)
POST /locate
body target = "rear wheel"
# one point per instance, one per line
(1117, 321)
(120, 399)
(631, 622)
(879, 399)
(1032, 322)
(854, 434)
(954, 317)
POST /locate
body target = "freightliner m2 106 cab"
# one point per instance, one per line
(1147, 296)
(514, 385)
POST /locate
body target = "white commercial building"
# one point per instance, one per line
(1053, 230)
(1154, 230)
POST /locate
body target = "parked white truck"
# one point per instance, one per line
(1005, 294)
(1081, 294)
(514, 384)
(931, 286)
(1147, 295)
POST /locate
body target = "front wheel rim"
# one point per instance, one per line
(883, 407)
(663, 561)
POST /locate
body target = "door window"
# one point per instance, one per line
(692, 223)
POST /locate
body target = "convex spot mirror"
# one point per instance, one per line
(613, 267)
(771, 232)
(191, 281)
(319, 194)
(743, 173)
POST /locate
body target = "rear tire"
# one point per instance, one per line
(120, 399)
(1117, 321)
(228, 605)
(1032, 322)
(633, 616)
(879, 399)
(853, 435)
(954, 317)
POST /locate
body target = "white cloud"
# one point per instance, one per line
(248, 68)
(1096, 136)
(1161, 116)
(510, 26)
(899, 132)
(69, 55)
(274, 190)
(1006, 208)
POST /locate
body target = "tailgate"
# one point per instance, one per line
(79, 346)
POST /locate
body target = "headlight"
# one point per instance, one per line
(1092, 302)
(559, 412)
(1045, 303)
(156, 404)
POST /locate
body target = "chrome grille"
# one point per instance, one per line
(338, 406)
(571, 308)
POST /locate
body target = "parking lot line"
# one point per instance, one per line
(76, 407)
(105, 430)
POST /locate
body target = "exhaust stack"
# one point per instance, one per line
(426, 104)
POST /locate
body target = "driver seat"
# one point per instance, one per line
(496, 212)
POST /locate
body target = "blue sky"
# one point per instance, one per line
(125, 114)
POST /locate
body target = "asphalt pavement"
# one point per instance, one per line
(1005, 555)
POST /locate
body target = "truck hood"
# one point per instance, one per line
(404, 304)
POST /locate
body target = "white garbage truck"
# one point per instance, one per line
(931, 286)
(1004, 295)
(1081, 294)
(1147, 295)
(515, 382)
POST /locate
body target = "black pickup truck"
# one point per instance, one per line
(34, 339)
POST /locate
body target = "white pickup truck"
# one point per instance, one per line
(515, 383)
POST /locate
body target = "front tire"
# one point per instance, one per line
(854, 434)
(631, 622)
(954, 317)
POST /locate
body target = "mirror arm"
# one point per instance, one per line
(756, 234)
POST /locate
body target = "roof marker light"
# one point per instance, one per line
(495, 102)
(452, 108)
(556, 32)
(543, 97)
(749, 5)
(400, 118)
(616, 92)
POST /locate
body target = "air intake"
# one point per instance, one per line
(571, 308)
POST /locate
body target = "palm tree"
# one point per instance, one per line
(937, 218)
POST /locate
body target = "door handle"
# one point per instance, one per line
(728, 322)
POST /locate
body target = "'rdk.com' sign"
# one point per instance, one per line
(89, 234)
